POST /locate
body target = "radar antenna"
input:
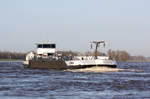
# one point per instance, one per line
(97, 43)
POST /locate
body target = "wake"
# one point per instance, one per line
(101, 69)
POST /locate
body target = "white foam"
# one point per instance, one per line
(100, 69)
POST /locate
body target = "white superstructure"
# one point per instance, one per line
(91, 61)
(46, 49)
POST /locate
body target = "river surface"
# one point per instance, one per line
(132, 81)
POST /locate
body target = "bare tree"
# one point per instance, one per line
(12, 55)
(118, 55)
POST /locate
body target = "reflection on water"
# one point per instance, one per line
(129, 81)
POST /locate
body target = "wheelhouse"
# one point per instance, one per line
(46, 49)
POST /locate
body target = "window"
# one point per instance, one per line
(46, 46)
(49, 54)
(53, 45)
(39, 46)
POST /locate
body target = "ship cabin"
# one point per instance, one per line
(45, 49)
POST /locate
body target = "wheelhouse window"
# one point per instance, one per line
(39, 46)
(53, 46)
(46, 46)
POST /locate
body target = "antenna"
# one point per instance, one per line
(97, 43)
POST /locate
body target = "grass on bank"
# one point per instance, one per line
(11, 60)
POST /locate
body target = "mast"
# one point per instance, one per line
(97, 43)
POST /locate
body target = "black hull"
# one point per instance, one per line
(58, 65)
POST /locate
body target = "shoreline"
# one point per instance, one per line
(11, 60)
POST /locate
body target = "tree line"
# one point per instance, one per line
(123, 56)
(12, 55)
(114, 55)
(118, 55)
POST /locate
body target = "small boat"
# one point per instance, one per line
(48, 58)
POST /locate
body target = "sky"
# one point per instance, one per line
(72, 24)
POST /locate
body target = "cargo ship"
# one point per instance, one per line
(46, 57)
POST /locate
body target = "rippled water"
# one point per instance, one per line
(133, 82)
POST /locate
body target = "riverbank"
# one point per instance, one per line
(8, 60)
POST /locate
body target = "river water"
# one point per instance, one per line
(130, 81)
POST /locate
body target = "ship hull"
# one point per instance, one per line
(59, 65)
